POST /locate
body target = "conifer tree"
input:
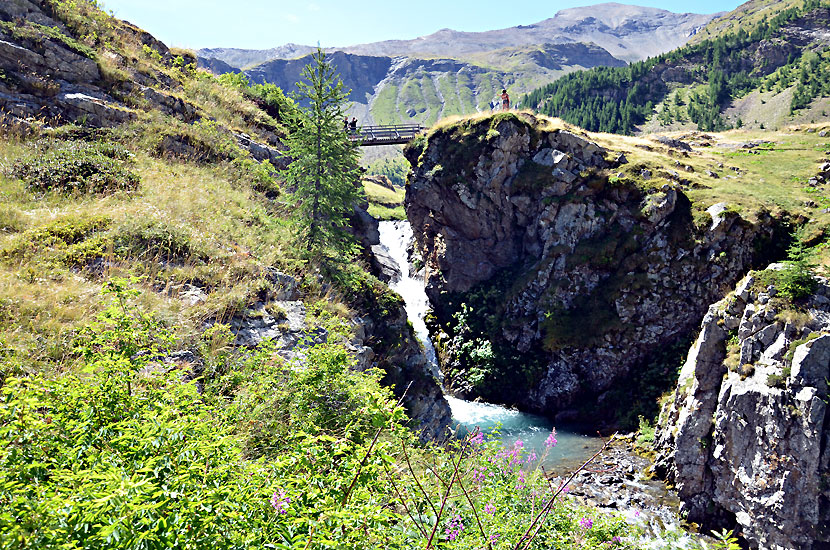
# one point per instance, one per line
(323, 177)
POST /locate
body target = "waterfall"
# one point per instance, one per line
(395, 238)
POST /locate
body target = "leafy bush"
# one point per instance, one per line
(12, 219)
(124, 455)
(260, 176)
(77, 167)
(795, 281)
(57, 238)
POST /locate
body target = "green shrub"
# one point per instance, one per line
(124, 455)
(34, 34)
(796, 281)
(156, 240)
(12, 219)
(69, 167)
(204, 141)
(776, 381)
(260, 176)
(645, 433)
(56, 238)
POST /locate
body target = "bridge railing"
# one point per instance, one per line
(397, 132)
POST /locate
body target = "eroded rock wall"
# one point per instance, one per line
(601, 272)
(744, 437)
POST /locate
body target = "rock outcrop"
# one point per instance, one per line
(574, 278)
(745, 435)
(381, 338)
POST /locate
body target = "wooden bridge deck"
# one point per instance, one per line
(386, 135)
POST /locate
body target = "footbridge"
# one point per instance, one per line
(368, 136)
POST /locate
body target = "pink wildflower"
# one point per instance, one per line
(521, 483)
(551, 440)
(586, 523)
(490, 509)
(279, 501)
(455, 527)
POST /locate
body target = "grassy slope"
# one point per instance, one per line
(744, 16)
(231, 234)
(434, 96)
(214, 214)
(384, 204)
(773, 177)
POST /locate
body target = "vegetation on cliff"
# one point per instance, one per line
(695, 83)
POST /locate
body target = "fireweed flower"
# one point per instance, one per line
(551, 440)
(477, 439)
(531, 457)
(521, 482)
(490, 509)
(586, 523)
(455, 527)
(279, 501)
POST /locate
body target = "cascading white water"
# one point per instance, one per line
(572, 448)
(531, 429)
(395, 238)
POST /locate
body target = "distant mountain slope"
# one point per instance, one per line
(773, 71)
(242, 58)
(388, 90)
(744, 16)
(627, 32)
(452, 72)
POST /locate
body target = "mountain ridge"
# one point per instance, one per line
(616, 18)
(477, 65)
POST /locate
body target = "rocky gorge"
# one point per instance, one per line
(557, 275)
(576, 276)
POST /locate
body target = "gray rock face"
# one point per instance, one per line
(748, 444)
(602, 274)
(282, 319)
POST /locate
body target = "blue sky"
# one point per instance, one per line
(267, 23)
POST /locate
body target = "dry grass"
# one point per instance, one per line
(223, 236)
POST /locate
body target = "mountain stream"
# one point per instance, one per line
(571, 448)
(620, 489)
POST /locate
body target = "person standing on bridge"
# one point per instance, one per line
(505, 101)
(353, 125)
(346, 124)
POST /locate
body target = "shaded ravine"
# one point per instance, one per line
(572, 447)
(615, 486)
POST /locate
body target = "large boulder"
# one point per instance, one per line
(744, 437)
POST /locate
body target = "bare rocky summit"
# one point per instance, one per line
(452, 72)
(627, 32)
